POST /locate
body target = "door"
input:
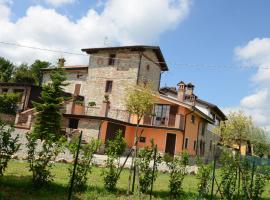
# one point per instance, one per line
(112, 130)
(170, 143)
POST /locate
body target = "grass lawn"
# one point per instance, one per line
(16, 185)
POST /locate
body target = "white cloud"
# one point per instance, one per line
(257, 53)
(122, 22)
(59, 2)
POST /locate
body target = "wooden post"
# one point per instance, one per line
(74, 168)
(153, 171)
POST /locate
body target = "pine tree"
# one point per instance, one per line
(47, 129)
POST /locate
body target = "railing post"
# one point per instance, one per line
(74, 169)
(153, 171)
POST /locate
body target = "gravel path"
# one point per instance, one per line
(67, 157)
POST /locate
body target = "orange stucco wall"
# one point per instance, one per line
(158, 135)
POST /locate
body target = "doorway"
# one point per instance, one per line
(170, 143)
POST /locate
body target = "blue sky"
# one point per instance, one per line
(199, 32)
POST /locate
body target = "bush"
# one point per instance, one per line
(145, 170)
(114, 149)
(177, 174)
(229, 174)
(204, 176)
(84, 165)
(40, 159)
(8, 146)
(8, 103)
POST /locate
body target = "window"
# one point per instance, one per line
(203, 128)
(182, 122)
(108, 88)
(111, 59)
(193, 119)
(161, 115)
(20, 92)
(147, 67)
(73, 123)
(142, 139)
(195, 145)
(77, 89)
(79, 76)
(186, 143)
(4, 90)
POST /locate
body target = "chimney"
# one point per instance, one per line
(61, 62)
(190, 89)
(181, 91)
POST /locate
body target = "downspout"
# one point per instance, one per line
(139, 67)
(183, 144)
(197, 139)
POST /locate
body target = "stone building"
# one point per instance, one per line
(177, 123)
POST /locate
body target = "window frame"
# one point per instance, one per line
(108, 86)
(111, 60)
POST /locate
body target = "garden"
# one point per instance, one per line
(229, 176)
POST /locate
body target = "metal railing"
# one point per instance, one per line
(170, 121)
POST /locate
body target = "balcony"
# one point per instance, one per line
(170, 121)
(95, 111)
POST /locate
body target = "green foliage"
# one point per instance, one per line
(23, 74)
(40, 159)
(91, 104)
(140, 100)
(6, 70)
(84, 165)
(229, 175)
(237, 129)
(36, 70)
(261, 142)
(47, 130)
(177, 174)
(143, 162)
(8, 145)
(253, 179)
(114, 149)
(8, 103)
(204, 177)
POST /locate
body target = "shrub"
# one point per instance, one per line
(8, 146)
(204, 176)
(84, 165)
(40, 159)
(229, 174)
(113, 150)
(253, 179)
(145, 170)
(177, 174)
(8, 103)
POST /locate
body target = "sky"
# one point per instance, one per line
(221, 46)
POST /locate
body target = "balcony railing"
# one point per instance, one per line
(117, 114)
(171, 121)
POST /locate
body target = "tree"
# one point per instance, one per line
(36, 68)
(8, 145)
(23, 74)
(47, 129)
(237, 129)
(6, 69)
(139, 102)
(261, 142)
